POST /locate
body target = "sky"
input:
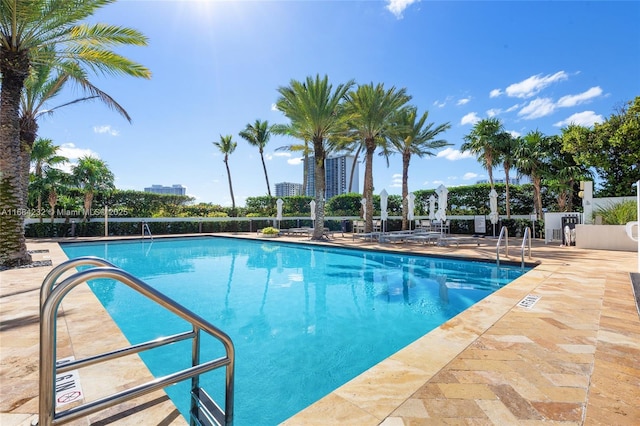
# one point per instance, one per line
(217, 65)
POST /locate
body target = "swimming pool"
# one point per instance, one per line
(304, 319)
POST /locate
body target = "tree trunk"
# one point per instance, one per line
(506, 189)
(13, 248)
(264, 167)
(353, 168)
(233, 200)
(53, 200)
(537, 193)
(319, 153)
(406, 158)
(368, 184)
(305, 171)
(88, 201)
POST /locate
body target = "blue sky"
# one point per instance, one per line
(217, 66)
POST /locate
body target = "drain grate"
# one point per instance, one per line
(529, 301)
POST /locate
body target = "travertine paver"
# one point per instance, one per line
(572, 358)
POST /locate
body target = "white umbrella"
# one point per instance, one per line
(432, 207)
(493, 203)
(384, 215)
(364, 207)
(411, 205)
(442, 192)
(279, 203)
(312, 204)
(493, 215)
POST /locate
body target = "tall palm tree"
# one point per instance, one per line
(483, 141)
(371, 110)
(315, 111)
(44, 157)
(415, 137)
(258, 135)
(26, 29)
(92, 175)
(532, 160)
(506, 151)
(226, 146)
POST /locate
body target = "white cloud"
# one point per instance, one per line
(463, 101)
(533, 85)
(295, 161)
(539, 107)
(281, 154)
(454, 154)
(439, 104)
(513, 108)
(493, 112)
(471, 118)
(398, 6)
(469, 176)
(573, 100)
(514, 133)
(495, 93)
(72, 152)
(106, 129)
(585, 118)
(274, 107)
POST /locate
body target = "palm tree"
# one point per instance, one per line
(483, 141)
(506, 151)
(315, 111)
(92, 175)
(371, 109)
(531, 160)
(414, 138)
(258, 135)
(26, 29)
(44, 157)
(226, 146)
(40, 88)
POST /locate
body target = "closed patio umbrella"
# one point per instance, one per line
(441, 214)
(493, 204)
(279, 203)
(432, 207)
(312, 204)
(384, 196)
(411, 206)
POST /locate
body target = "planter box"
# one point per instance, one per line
(604, 237)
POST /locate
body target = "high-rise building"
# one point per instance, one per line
(287, 189)
(173, 190)
(337, 172)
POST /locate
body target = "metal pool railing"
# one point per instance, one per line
(204, 411)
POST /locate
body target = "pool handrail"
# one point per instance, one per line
(201, 403)
(504, 232)
(52, 277)
(526, 238)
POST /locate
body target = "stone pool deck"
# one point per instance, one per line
(573, 358)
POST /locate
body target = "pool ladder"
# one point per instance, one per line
(526, 244)
(203, 411)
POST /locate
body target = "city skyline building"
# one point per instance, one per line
(172, 190)
(288, 189)
(338, 173)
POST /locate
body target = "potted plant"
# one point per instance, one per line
(270, 232)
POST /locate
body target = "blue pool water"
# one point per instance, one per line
(304, 319)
